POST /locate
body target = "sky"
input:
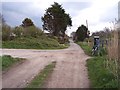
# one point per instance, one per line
(98, 13)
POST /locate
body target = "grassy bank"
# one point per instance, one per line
(33, 43)
(8, 61)
(85, 47)
(38, 80)
(99, 75)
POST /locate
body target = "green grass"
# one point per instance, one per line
(33, 43)
(85, 47)
(38, 80)
(8, 61)
(88, 50)
(99, 75)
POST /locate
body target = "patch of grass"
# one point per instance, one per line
(100, 76)
(88, 50)
(33, 43)
(8, 61)
(38, 80)
(85, 47)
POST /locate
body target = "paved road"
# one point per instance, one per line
(70, 70)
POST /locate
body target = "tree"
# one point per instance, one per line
(27, 22)
(81, 33)
(32, 31)
(2, 20)
(6, 31)
(55, 20)
(18, 31)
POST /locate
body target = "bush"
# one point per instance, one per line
(84, 45)
(6, 31)
(41, 42)
(100, 76)
(18, 31)
(8, 61)
(32, 31)
(102, 51)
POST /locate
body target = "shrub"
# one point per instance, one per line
(18, 31)
(100, 76)
(6, 31)
(32, 31)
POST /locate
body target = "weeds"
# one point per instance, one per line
(99, 74)
(38, 80)
(8, 61)
(33, 43)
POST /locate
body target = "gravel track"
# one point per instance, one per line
(70, 70)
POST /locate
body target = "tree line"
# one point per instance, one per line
(26, 29)
(55, 21)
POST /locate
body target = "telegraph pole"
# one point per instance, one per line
(87, 31)
(87, 23)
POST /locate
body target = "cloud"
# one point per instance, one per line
(15, 12)
(110, 14)
(98, 12)
(99, 15)
(13, 18)
(76, 5)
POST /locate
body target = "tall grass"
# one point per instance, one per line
(112, 49)
(99, 75)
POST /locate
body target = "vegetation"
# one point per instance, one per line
(27, 22)
(85, 47)
(6, 30)
(28, 36)
(81, 33)
(8, 61)
(100, 76)
(39, 79)
(42, 42)
(56, 21)
(9, 33)
(110, 38)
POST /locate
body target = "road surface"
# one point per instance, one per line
(70, 70)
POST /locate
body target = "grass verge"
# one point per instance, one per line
(38, 80)
(85, 47)
(99, 75)
(33, 43)
(8, 61)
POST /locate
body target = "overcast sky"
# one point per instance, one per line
(98, 13)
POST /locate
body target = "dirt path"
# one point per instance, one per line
(70, 71)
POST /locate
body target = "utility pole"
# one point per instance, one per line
(87, 23)
(88, 32)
